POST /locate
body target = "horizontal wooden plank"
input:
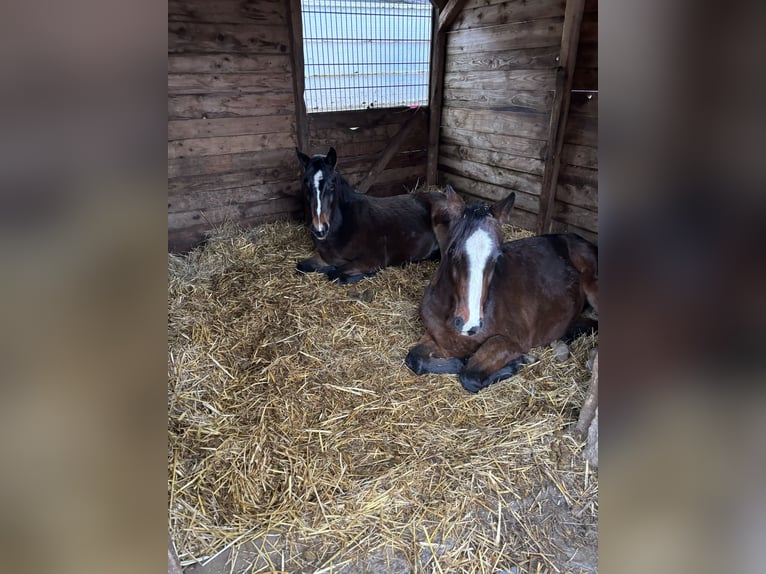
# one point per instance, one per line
(579, 216)
(360, 118)
(508, 144)
(322, 139)
(578, 186)
(484, 13)
(524, 59)
(397, 175)
(502, 79)
(240, 38)
(371, 149)
(494, 158)
(204, 200)
(490, 192)
(562, 227)
(235, 212)
(581, 130)
(583, 156)
(252, 177)
(363, 163)
(186, 129)
(500, 100)
(278, 158)
(252, 83)
(526, 182)
(229, 11)
(532, 34)
(229, 63)
(229, 144)
(230, 105)
(527, 125)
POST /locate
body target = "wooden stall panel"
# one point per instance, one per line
(500, 74)
(576, 205)
(231, 112)
(361, 137)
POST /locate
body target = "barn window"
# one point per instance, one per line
(372, 54)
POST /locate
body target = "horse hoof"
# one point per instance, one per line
(414, 362)
(304, 266)
(472, 382)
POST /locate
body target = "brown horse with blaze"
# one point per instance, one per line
(489, 302)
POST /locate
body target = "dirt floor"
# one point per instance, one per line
(300, 442)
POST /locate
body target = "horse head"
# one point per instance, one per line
(319, 184)
(470, 239)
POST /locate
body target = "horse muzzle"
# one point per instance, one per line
(321, 232)
(460, 326)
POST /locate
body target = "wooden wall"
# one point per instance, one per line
(362, 137)
(499, 84)
(234, 117)
(231, 116)
(576, 205)
(233, 122)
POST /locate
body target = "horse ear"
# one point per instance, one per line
(303, 158)
(452, 196)
(502, 209)
(331, 157)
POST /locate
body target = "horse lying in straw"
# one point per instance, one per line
(490, 302)
(356, 235)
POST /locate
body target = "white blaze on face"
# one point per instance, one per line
(317, 178)
(479, 248)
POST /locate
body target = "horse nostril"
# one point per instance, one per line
(459, 323)
(472, 331)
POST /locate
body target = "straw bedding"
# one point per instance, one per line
(298, 437)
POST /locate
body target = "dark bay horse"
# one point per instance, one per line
(489, 302)
(356, 235)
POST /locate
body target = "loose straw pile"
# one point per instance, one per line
(300, 442)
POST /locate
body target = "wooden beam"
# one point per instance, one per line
(438, 4)
(296, 49)
(442, 21)
(570, 37)
(389, 152)
(449, 13)
(438, 53)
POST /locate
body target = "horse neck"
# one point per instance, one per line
(339, 206)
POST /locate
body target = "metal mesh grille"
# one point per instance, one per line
(361, 55)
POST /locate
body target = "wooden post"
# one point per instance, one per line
(299, 82)
(442, 21)
(389, 152)
(570, 38)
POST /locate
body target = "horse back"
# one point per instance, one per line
(541, 284)
(382, 231)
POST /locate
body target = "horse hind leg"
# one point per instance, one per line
(584, 258)
(578, 327)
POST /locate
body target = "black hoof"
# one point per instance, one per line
(305, 266)
(472, 381)
(414, 361)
